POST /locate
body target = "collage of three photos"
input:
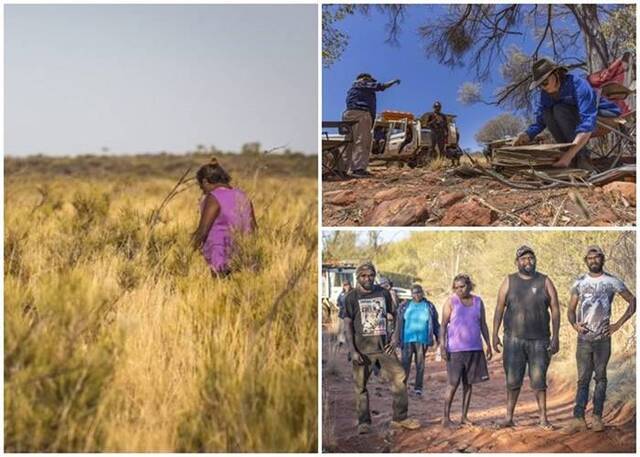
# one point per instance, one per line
(305, 228)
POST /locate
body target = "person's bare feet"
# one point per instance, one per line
(446, 422)
(505, 423)
(466, 422)
(546, 425)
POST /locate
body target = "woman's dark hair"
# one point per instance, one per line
(562, 73)
(213, 173)
(464, 278)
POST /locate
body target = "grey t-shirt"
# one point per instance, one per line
(595, 295)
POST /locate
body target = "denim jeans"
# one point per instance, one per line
(408, 352)
(520, 354)
(562, 120)
(392, 370)
(592, 358)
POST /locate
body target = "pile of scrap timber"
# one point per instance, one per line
(532, 165)
(531, 168)
(533, 160)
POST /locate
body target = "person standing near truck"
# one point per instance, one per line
(437, 122)
(361, 108)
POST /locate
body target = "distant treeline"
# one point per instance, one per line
(161, 165)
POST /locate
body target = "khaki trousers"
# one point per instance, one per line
(356, 155)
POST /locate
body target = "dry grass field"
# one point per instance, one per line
(116, 336)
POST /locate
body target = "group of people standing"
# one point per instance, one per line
(527, 308)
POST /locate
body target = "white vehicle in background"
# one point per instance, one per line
(334, 274)
(401, 137)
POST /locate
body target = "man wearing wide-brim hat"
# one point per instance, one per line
(568, 106)
(361, 108)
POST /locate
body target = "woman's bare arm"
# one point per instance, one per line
(209, 214)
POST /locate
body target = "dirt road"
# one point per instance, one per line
(487, 407)
(419, 197)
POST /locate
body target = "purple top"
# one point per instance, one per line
(234, 216)
(463, 331)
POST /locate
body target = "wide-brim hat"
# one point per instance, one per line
(365, 76)
(541, 70)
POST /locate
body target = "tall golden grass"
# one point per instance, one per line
(118, 339)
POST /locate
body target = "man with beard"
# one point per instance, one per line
(524, 300)
(367, 307)
(592, 294)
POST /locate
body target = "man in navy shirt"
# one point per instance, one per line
(361, 107)
(568, 106)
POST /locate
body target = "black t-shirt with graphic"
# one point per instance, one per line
(369, 310)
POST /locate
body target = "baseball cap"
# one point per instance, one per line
(524, 249)
(416, 289)
(594, 249)
(365, 266)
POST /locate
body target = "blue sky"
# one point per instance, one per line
(148, 78)
(423, 79)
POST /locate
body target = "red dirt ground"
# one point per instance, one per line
(353, 202)
(487, 407)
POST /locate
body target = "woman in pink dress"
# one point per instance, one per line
(224, 211)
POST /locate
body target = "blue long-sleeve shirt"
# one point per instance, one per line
(362, 96)
(575, 91)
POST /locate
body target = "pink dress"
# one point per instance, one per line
(234, 216)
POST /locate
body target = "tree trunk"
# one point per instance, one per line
(596, 47)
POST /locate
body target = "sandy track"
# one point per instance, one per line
(487, 407)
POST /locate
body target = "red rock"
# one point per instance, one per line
(624, 189)
(387, 194)
(528, 218)
(340, 197)
(449, 198)
(605, 216)
(399, 212)
(469, 213)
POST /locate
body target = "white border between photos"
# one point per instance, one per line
(460, 229)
